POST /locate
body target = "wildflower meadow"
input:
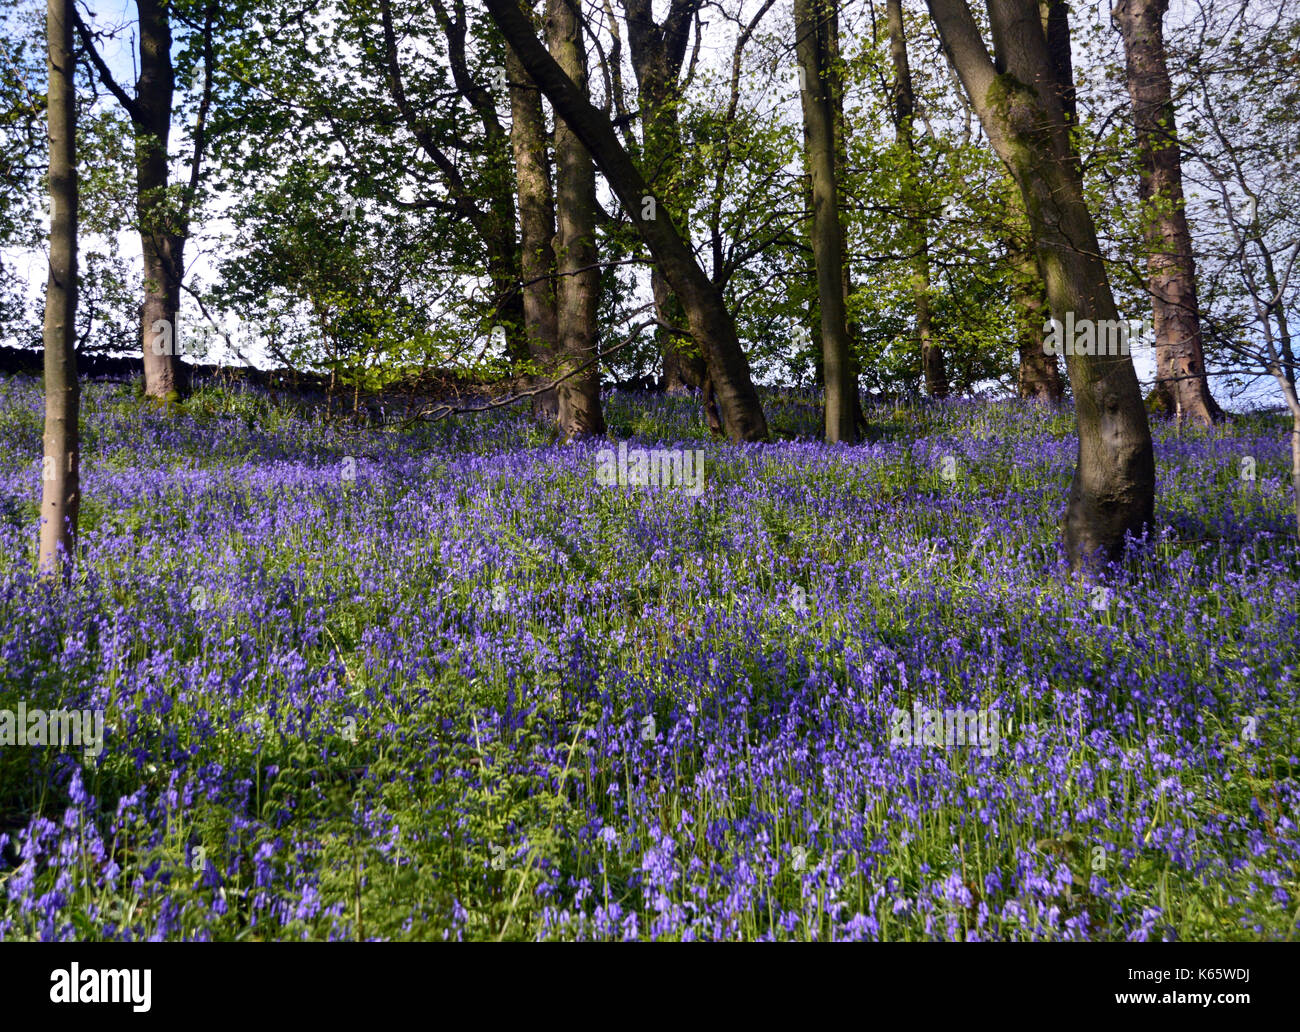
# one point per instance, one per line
(461, 681)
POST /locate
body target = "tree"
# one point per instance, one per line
(536, 224)
(496, 186)
(576, 271)
(483, 198)
(1264, 247)
(328, 284)
(710, 322)
(163, 217)
(811, 46)
(23, 54)
(657, 50)
(1181, 384)
(1020, 94)
(836, 85)
(904, 110)
(60, 471)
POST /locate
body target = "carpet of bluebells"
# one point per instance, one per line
(437, 682)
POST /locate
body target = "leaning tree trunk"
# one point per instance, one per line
(1020, 104)
(1181, 384)
(162, 245)
(827, 234)
(60, 476)
(578, 278)
(933, 369)
(537, 228)
(496, 188)
(710, 323)
(1285, 348)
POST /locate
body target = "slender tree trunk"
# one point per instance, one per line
(1019, 101)
(710, 322)
(835, 82)
(578, 283)
(657, 52)
(488, 204)
(497, 185)
(163, 245)
(503, 267)
(60, 472)
(1181, 383)
(537, 227)
(827, 233)
(933, 368)
(1286, 351)
(1295, 455)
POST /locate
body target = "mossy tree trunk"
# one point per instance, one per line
(1020, 94)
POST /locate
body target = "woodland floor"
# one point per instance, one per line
(443, 683)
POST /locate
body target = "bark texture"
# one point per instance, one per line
(536, 227)
(1019, 97)
(60, 485)
(161, 240)
(1040, 374)
(811, 47)
(577, 276)
(1181, 384)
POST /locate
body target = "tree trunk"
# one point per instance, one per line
(503, 266)
(496, 187)
(165, 375)
(1295, 457)
(578, 278)
(537, 228)
(1285, 349)
(1181, 383)
(835, 80)
(163, 245)
(1020, 104)
(682, 369)
(710, 322)
(933, 369)
(657, 52)
(1040, 376)
(60, 473)
(827, 234)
